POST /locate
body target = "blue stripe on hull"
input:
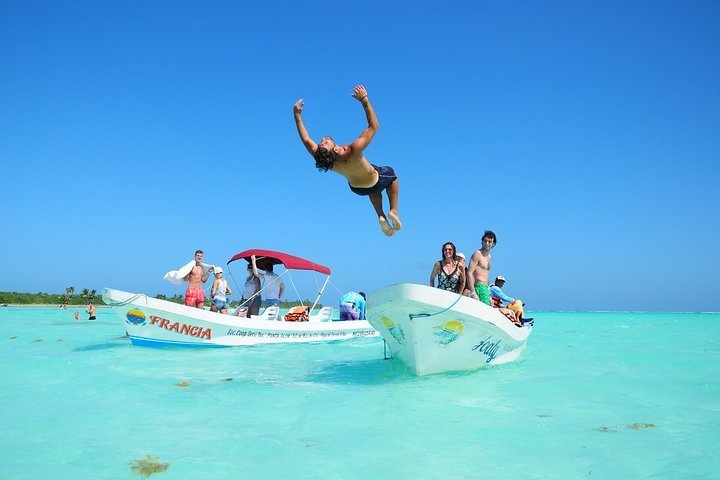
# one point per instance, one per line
(154, 343)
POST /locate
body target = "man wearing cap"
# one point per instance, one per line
(352, 306)
(496, 290)
(220, 290)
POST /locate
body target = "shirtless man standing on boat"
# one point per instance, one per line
(479, 269)
(195, 294)
(363, 178)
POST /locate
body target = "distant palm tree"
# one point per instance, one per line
(85, 293)
(92, 295)
(69, 291)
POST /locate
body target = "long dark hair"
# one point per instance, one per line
(454, 251)
(325, 159)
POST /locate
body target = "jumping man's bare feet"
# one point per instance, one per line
(395, 220)
(385, 226)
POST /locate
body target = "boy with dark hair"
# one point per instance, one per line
(478, 269)
(363, 178)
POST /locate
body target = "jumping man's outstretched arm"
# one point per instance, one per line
(360, 94)
(302, 131)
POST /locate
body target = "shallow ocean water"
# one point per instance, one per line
(595, 395)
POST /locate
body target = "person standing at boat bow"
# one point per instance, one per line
(195, 295)
(478, 270)
(450, 271)
(349, 161)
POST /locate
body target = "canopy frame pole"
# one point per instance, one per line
(237, 289)
(317, 299)
(295, 288)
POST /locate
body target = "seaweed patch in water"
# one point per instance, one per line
(13, 338)
(227, 379)
(37, 341)
(147, 466)
(638, 426)
(182, 384)
(634, 426)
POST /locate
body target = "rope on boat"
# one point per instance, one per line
(237, 289)
(336, 288)
(423, 315)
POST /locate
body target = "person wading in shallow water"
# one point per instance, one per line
(363, 178)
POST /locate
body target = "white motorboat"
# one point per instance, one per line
(158, 323)
(432, 330)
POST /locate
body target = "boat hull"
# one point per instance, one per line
(433, 331)
(159, 323)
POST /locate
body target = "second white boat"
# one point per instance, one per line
(433, 331)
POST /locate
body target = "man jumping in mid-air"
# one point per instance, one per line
(349, 161)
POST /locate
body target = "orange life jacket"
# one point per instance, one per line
(298, 314)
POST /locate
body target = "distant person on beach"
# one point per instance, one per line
(272, 285)
(449, 271)
(220, 291)
(91, 311)
(478, 269)
(195, 295)
(352, 306)
(497, 292)
(250, 288)
(363, 178)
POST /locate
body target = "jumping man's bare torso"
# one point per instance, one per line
(355, 167)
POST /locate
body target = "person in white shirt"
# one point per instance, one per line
(273, 287)
(250, 288)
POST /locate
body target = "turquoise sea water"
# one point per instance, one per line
(595, 395)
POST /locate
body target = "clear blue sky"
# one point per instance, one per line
(585, 134)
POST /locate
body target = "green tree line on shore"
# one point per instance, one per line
(41, 298)
(86, 295)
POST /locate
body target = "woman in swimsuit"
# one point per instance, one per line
(450, 271)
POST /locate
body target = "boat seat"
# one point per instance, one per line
(301, 313)
(270, 313)
(324, 315)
